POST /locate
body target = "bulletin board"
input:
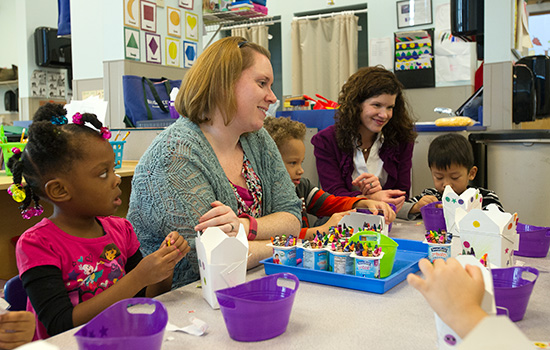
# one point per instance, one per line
(414, 58)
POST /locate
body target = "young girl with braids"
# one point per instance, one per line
(66, 261)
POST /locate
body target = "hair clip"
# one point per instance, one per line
(17, 192)
(242, 43)
(105, 133)
(77, 119)
(15, 150)
(58, 120)
(30, 212)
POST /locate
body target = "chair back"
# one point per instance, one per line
(15, 294)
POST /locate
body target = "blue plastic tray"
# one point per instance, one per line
(406, 261)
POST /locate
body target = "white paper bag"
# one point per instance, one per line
(468, 200)
(222, 261)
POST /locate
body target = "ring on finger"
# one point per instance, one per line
(371, 185)
(232, 227)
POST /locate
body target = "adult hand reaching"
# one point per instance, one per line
(221, 216)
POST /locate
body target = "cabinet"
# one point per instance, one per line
(7, 116)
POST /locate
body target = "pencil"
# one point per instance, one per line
(22, 135)
(117, 135)
(125, 136)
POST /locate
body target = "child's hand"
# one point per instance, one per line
(334, 220)
(375, 206)
(446, 281)
(422, 202)
(158, 266)
(368, 183)
(16, 329)
(395, 197)
(174, 239)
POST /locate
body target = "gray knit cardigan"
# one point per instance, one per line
(178, 177)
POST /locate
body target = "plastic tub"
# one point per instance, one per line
(284, 255)
(534, 241)
(341, 262)
(367, 266)
(118, 328)
(315, 259)
(259, 309)
(439, 251)
(7, 153)
(433, 217)
(389, 247)
(512, 290)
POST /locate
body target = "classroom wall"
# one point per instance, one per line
(382, 22)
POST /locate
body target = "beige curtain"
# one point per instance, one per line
(255, 34)
(324, 54)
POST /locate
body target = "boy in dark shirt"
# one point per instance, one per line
(451, 161)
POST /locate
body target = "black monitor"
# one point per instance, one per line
(51, 50)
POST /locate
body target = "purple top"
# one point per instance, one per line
(335, 168)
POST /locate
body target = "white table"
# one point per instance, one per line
(325, 317)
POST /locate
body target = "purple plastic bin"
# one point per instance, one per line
(117, 328)
(534, 241)
(433, 217)
(512, 290)
(259, 309)
(173, 112)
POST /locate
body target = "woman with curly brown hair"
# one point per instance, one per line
(368, 152)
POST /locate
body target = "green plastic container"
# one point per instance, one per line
(388, 245)
(7, 153)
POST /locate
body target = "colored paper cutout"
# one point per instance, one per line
(190, 54)
(173, 22)
(131, 13)
(172, 52)
(191, 27)
(152, 48)
(148, 16)
(131, 40)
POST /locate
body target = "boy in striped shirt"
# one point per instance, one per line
(451, 161)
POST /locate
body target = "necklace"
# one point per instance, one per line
(366, 150)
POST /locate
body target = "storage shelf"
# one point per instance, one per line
(9, 82)
(222, 17)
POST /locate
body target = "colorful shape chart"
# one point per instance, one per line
(190, 54)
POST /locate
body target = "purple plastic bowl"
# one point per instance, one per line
(512, 290)
(117, 328)
(433, 217)
(534, 241)
(259, 309)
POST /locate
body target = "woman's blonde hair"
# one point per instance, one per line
(210, 84)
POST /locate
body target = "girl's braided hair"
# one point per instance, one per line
(52, 147)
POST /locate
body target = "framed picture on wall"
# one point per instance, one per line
(412, 13)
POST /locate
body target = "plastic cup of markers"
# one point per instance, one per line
(439, 251)
(341, 262)
(315, 259)
(367, 266)
(284, 255)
